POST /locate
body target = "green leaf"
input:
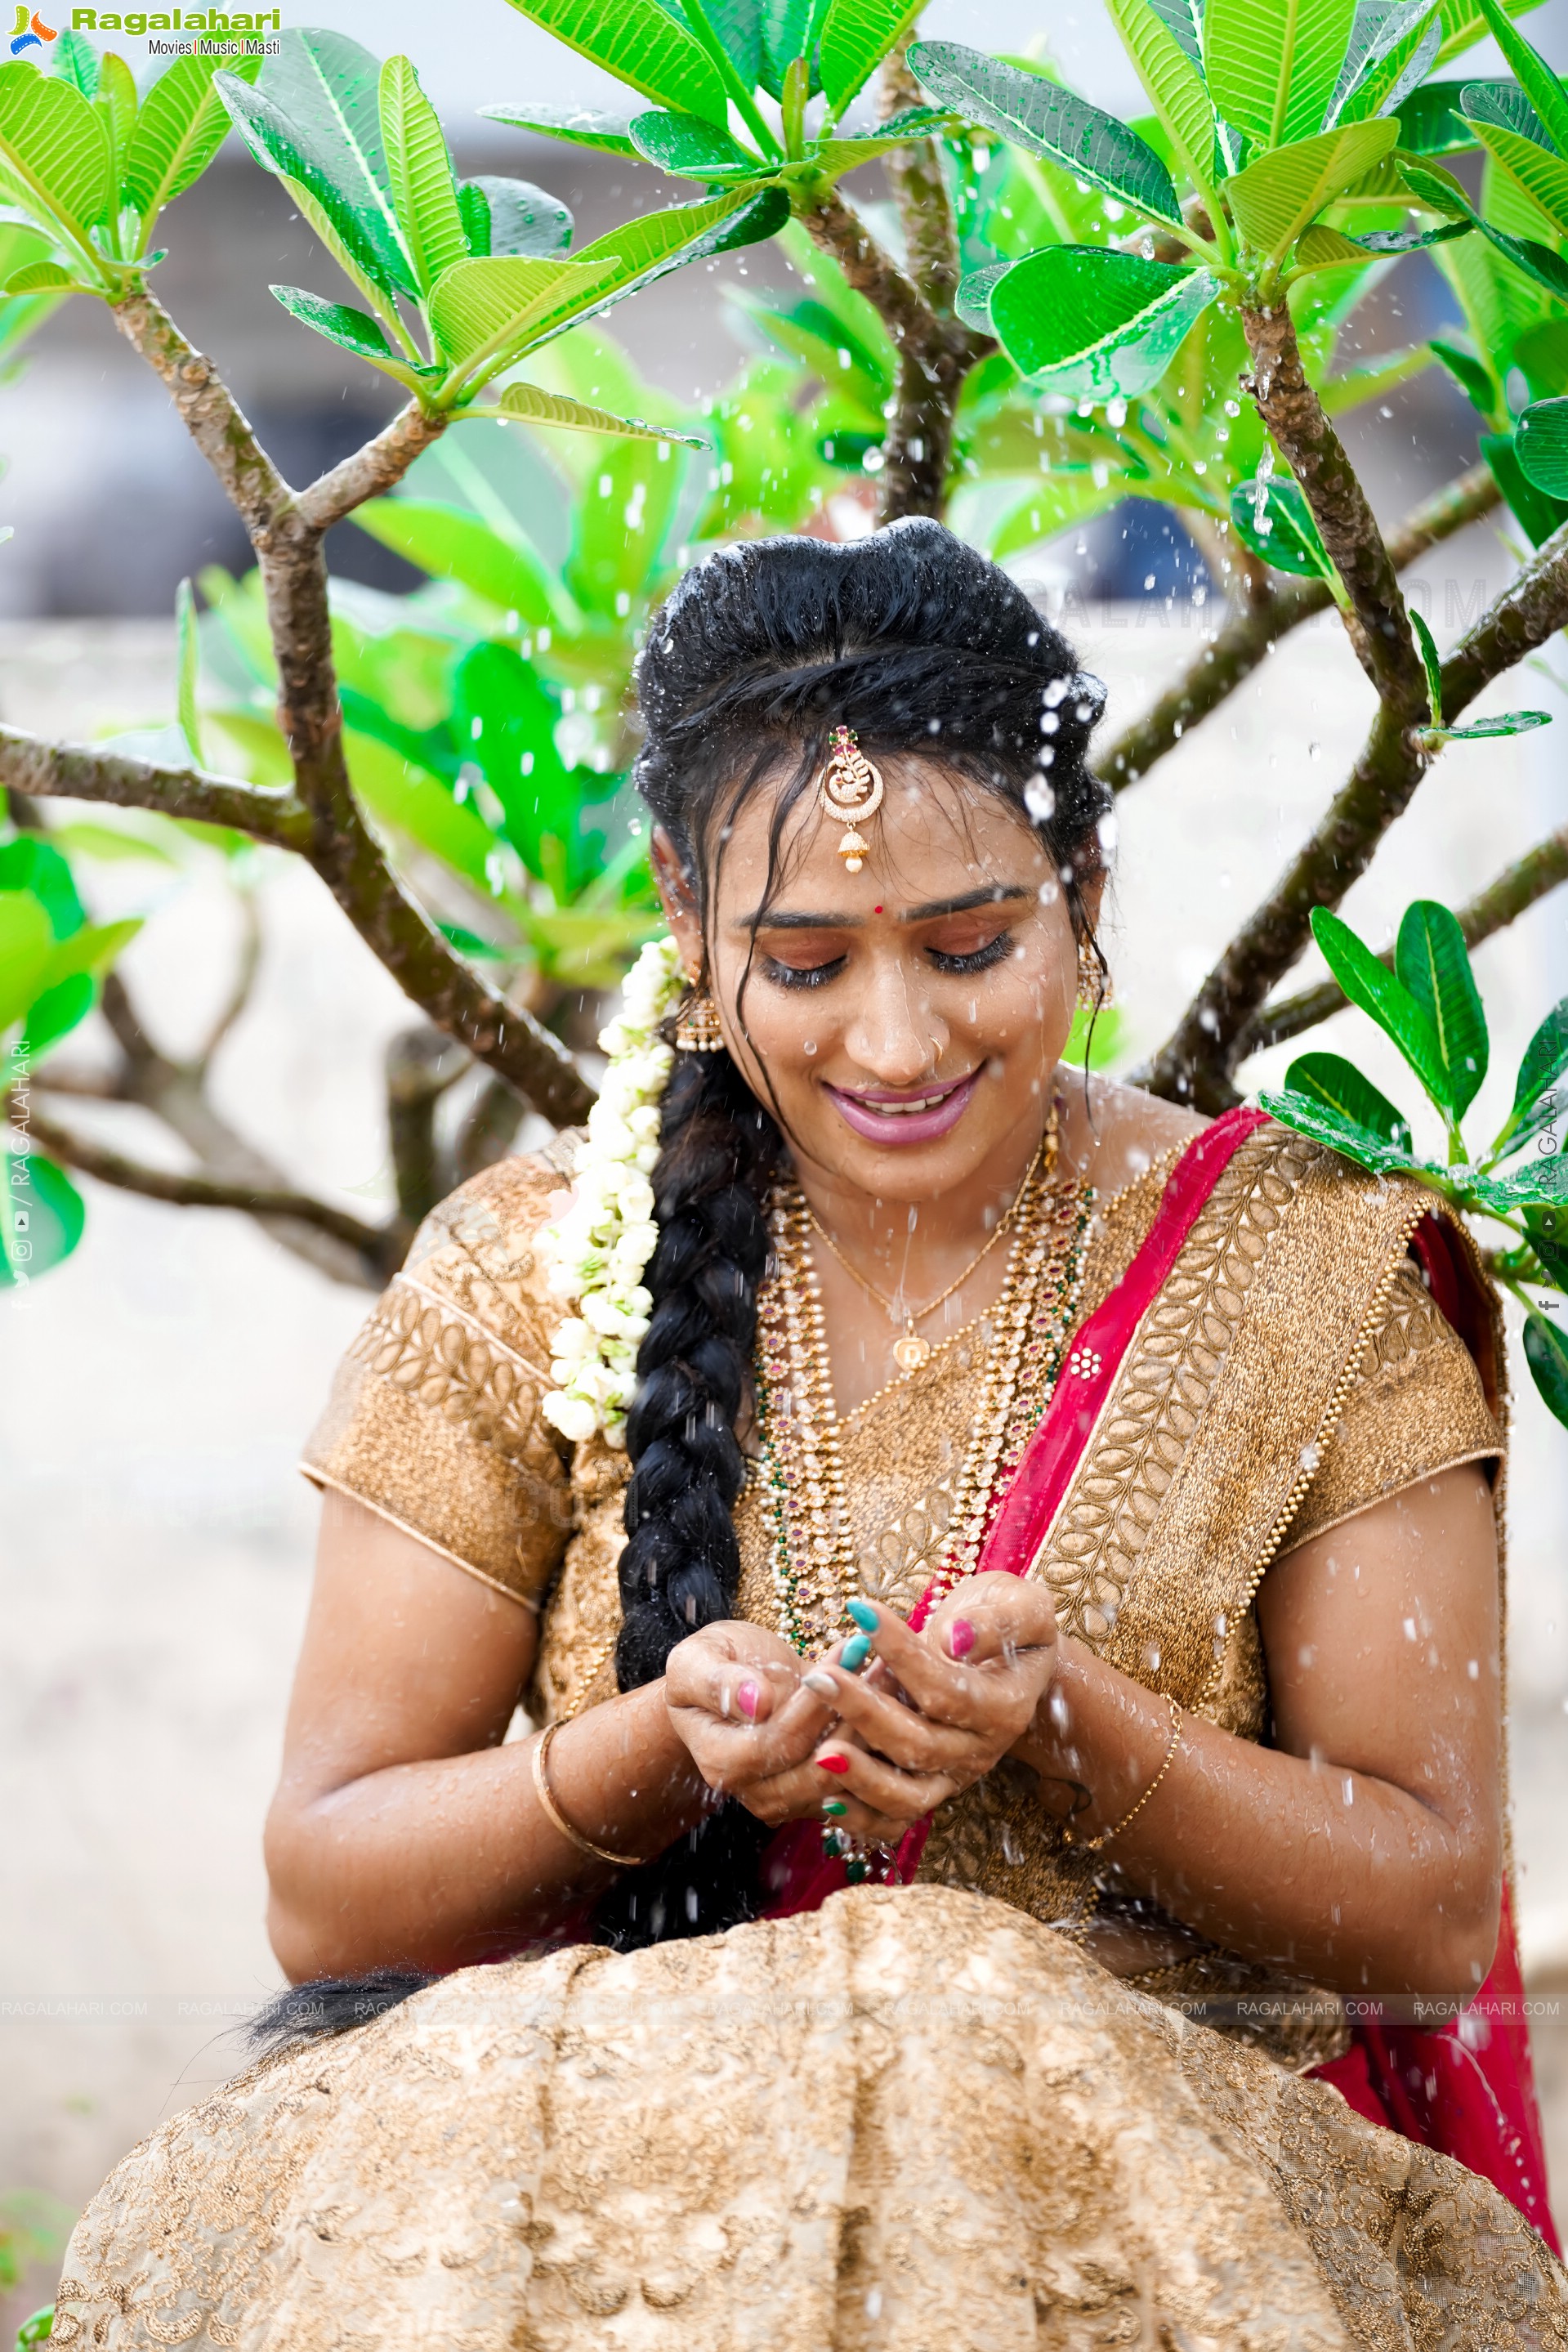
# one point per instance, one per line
(1432, 662)
(1546, 1353)
(685, 144)
(1272, 65)
(425, 191)
(1379, 28)
(623, 524)
(502, 710)
(115, 102)
(381, 297)
(324, 90)
(1431, 122)
(1547, 1229)
(651, 247)
(27, 942)
(1088, 321)
(188, 671)
(790, 30)
(580, 127)
(1546, 1060)
(1338, 1085)
(367, 231)
(1163, 41)
(1380, 992)
(1538, 510)
(1274, 199)
(519, 217)
(834, 157)
(350, 330)
(54, 146)
(57, 1011)
(1274, 522)
(90, 950)
(639, 43)
(41, 1220)
(739, 24)
(1537, 261)
(856, 35)
(28, 863)
(44, 278)
(451, 544)
(1046, 119)
(1536, 78)
(410, 801)
(528, 405)
(76, 61)
(484, 313)
(1474, 379)
(1542, 174)
(1542, 1181)
(1433, 962)
(1309, 1114)
(1541, 446)
(1486, 730)
(182, 124)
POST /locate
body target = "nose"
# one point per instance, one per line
(896, 1035)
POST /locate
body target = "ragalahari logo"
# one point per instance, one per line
(30, 32)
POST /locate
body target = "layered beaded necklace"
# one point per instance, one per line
(813, 1540)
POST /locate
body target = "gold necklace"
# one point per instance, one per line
(814, 1558)
(912, 1353)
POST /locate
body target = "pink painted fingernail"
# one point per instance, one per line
(746, 1699)
(960, 1637)
(834, 1763)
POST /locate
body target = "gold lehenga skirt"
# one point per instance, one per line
(915, 2120)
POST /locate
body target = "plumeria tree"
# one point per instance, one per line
(1058, 311)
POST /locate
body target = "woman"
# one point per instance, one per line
(1058, 1532)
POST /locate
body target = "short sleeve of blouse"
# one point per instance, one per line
(433, 1420)
(1416, 1406)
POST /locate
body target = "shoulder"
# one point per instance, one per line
(1115, 1133)
(479, 1247)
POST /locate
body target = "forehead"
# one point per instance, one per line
(935, 834)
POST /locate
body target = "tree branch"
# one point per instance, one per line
(247, 966)
(252, 483)
(1540, 871)
(375, 468)
(935, 354)
(1255, 625)
(420, 1063)
(1196, 1065)
(1316, 457)
(919, 186)
(76, 772)
(371, 1243)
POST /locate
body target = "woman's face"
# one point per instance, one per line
(908, 1017)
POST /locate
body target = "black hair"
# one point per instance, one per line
(923, 647)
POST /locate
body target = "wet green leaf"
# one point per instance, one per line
(1046, 119)
(1546, 1353)
(1431, 960)
(1336, 1085)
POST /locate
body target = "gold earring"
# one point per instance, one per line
(1096, 988)
(697, 1027)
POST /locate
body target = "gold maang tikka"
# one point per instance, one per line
(849, 788)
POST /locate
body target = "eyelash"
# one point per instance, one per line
(818, 976)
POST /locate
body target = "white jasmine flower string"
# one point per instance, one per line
(601, 1246)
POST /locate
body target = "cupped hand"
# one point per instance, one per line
(739, 1700)
(949, 1702)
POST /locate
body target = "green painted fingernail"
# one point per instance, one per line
(863, 1615)
(857, 1650)
(835, 1806)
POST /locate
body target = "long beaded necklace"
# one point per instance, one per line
(813, 1539)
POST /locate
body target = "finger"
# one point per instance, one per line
(913, 1741)
(856, 1773)
(963, 1695)
(731, 1752)
(991, 1616)
(798, 1796)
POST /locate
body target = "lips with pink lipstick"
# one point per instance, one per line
(905, 1115)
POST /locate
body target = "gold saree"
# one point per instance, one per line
(921, 2118)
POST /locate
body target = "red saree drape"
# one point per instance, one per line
(1467, 2091)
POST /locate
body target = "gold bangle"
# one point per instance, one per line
(553, 1812)
(1094, 1844)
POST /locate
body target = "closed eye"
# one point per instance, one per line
(995, 951)
(798, 975)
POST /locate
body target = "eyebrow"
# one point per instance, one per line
(992, 894)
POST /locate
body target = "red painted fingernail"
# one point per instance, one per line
(960, 1637)
(834, 1763)
(746, 1699)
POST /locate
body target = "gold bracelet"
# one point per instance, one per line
(546, 1800)
(1094, 1844)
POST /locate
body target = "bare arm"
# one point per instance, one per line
(403, 1830)
(1363, 1851)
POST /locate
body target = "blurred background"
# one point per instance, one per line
(155, 1390)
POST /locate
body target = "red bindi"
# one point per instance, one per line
(876, 910)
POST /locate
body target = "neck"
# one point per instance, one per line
(910, 1249)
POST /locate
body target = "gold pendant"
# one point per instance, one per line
(911, 1352)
